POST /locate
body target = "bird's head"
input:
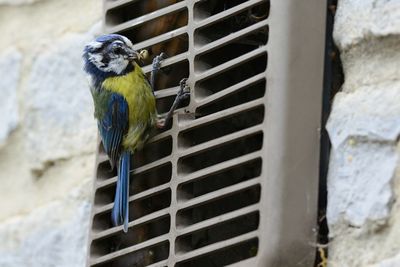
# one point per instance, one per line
(109, 55)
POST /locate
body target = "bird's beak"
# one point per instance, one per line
(132, 54)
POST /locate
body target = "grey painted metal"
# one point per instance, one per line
(288, 147)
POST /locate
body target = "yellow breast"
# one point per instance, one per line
(137, 92)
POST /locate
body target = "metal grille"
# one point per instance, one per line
(234, 180)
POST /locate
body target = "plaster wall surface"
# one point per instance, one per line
(48, 133)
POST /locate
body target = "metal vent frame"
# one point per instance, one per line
(288, 151)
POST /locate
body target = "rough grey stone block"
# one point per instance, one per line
(10, 64)
(54, 235)
(361, 19)
(59, 122)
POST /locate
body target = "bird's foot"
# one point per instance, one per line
(156, 65)
(184, 90)
(161, 123)
(183, 93)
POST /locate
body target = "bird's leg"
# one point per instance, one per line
(155, 69)
(183, 93)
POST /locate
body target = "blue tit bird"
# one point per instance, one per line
(124, 106)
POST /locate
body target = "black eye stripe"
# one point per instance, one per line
(117, 49)
(96, 50)
(106, 59)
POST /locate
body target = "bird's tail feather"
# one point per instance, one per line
(120, 211)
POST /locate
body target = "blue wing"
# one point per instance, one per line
(113, 125)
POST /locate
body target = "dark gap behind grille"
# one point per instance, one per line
(223, 178)
(231, 24)
(171, 47)
(232, 50)
(164, 104)
(135, 235)
(248, 93)
(224, 256)
(134, 9)
(224, 152)
(143, 257)
(104, 171)
(152, 152)
(101, 148)
(170, 76)
(221, 127)
(217, 233)
(207, 8)
(157, 26)
(137, 209)
(231, 76)
(138, 183)
(216, 207)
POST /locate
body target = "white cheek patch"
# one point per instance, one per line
(96, 60)
(117, 65)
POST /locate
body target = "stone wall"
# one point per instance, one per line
(47, 133)
(364, 126)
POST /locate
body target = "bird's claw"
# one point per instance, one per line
(156, 65)
(184, 91)
(184, 95)
(160, 124)
(183, 83)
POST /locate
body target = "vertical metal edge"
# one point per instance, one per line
(289, 199)
(93, 193)
(95, 173)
